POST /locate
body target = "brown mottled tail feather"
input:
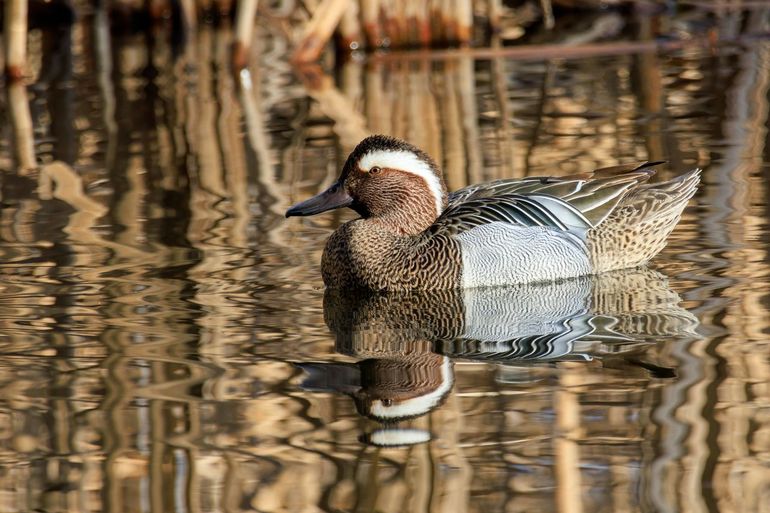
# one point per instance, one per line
(638, 227)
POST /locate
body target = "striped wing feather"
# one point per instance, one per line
(592, 195)
(517, 209)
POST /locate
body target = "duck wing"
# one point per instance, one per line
(497, 238)
(514, 209)
(594, 195)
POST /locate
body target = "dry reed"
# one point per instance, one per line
(244, 30)
(15, 38)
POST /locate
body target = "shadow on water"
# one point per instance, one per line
(165, 343)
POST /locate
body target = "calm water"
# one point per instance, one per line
(166, 343)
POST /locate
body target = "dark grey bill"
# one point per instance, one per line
(333, 197)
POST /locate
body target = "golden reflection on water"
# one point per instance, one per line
(163, 332)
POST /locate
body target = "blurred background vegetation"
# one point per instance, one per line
(156, 308)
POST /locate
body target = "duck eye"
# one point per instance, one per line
(375, 170)
(387, 402)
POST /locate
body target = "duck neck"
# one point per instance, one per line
(404, 223)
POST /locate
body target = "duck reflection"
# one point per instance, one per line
(407, 341)
(393, 387)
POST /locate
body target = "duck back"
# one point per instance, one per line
(638, 228)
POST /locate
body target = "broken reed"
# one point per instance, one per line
(15, 35)
(389, 24)
(402, 23)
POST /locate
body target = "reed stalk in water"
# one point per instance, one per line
(15, 35)
(548, 20)
(21, 122)
(370, 15)
(464, 13)
(494, 12)
(351, 33)
(319, 29)
(244, 30)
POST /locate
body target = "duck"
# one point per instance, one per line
(413, 234)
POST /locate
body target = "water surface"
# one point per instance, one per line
(166, 343)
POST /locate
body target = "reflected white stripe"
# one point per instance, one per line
(398, 437)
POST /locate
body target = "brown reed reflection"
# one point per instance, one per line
(155, 309)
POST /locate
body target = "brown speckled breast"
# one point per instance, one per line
(363, 254)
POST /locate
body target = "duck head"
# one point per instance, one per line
(388, 181)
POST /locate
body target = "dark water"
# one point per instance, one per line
(166, 343)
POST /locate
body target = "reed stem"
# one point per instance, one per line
(21, 122)
(15, 34)
(350, 28)
(370, 14)
(464, 21)
(494, 12)
(319, 29)
(244, 30)
(548, 20)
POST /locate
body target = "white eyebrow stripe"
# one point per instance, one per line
(408, 162)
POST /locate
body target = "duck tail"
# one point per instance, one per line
(638, 227)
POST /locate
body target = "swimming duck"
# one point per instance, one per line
(412, 234)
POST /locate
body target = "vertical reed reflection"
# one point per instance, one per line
(21, 123)
(153, 300)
